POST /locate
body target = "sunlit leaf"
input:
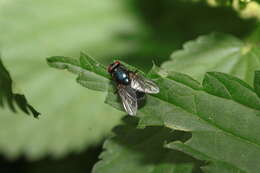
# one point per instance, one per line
(216, 52)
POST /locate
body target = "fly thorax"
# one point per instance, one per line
(121, 76)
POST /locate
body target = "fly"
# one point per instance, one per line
(130, 85)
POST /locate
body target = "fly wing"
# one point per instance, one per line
(129, 99)
(142, 84)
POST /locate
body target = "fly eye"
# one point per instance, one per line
(113, 66)
(116, 62)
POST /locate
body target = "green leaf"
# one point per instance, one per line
(257, 82)
(91, 74)
(92, 65)
(135, 150)
(82, 67)
(7, 95)
(214, 166)
(222, 115)
(74, 118)
(226, 86)
(216, 52)
(70, 64)
(223, 129)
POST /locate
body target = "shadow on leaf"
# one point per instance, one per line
(146, 146)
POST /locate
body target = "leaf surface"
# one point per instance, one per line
(216, 52)
(141, 150)
(222, 114)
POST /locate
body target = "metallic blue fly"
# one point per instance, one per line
(130, 86)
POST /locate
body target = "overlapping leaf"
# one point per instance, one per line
(216, 52)
(223, 117)
(138, 150)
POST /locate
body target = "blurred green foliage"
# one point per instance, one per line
(135, 31)
(7, 97)
(36, 29)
